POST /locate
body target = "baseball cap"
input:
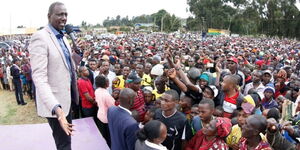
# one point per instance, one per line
(133, 78)
(234, 59)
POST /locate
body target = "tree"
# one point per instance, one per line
(270, 17)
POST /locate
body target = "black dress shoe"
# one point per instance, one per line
(24, 103)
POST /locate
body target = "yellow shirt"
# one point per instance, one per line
(146, 80)
(157, 95)
(236, 134)
(120, 83)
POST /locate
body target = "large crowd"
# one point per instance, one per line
(183, 92)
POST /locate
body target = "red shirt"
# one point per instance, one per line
(139, 105)
(85, 86)
(229, 105)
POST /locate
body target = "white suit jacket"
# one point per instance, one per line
(50, 73)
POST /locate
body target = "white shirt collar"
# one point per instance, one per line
(125, 109)
(156, 146)
(170, 115)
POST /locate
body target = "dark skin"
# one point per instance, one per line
(84, 73)
(93, 65)
(118, 69)
(148, 97)
(58, 20)
(210, 130)
(140, 70)
(205, 113)
(105, 67)
(127, 97)
(115, 94)
(168, 104)
(232, 66)
(194, 111)
(268, 95)
(162, 135)
(228, 86)
(125, 72)
(148, 68)
(207, 93)
(160, 85)
(266, 78)
(218, 113)
(256, 78)
(251, 133)
(134, 86)
(185, 104)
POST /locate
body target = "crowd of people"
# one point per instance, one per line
(181, 92)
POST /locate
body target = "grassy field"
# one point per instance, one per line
(11, 113)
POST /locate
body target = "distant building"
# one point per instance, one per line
(16, 31)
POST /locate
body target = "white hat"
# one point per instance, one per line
(157, 70)
(216, 91)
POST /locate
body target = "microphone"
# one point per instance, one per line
(71, 33)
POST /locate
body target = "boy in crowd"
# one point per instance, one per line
(268, 101)
(175, 121)
(206, 109)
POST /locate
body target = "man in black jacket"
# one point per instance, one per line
(15, 72)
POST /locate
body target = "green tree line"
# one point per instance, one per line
(162, 19)
(269, 17)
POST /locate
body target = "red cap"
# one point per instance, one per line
(234, 59)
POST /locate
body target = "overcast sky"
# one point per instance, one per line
(33, 13)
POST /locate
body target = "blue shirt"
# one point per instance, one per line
(269, 104)
(59, 36)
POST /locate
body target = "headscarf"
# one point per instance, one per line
(223, 126)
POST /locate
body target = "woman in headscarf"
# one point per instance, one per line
(212, 136)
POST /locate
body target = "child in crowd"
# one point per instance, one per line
(206, 110)
(218, 111)
(149, 99)
(115, 95)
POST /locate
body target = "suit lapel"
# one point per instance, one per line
(54, 40)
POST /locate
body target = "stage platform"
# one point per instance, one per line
(39, 136)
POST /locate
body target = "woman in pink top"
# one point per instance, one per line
(104, 101)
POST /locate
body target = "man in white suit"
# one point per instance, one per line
(54, 75)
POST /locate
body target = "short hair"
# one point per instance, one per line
(92, 60)
(105, 62)
(80, 69)
(152, 111)
(273, 113)
(140, 65)
(100, 81)
(211, 103)
(233, 79)
(261, 122)
(52, 6)
(173, 93)
(150, 131)
(15, 60)
(188, 100)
